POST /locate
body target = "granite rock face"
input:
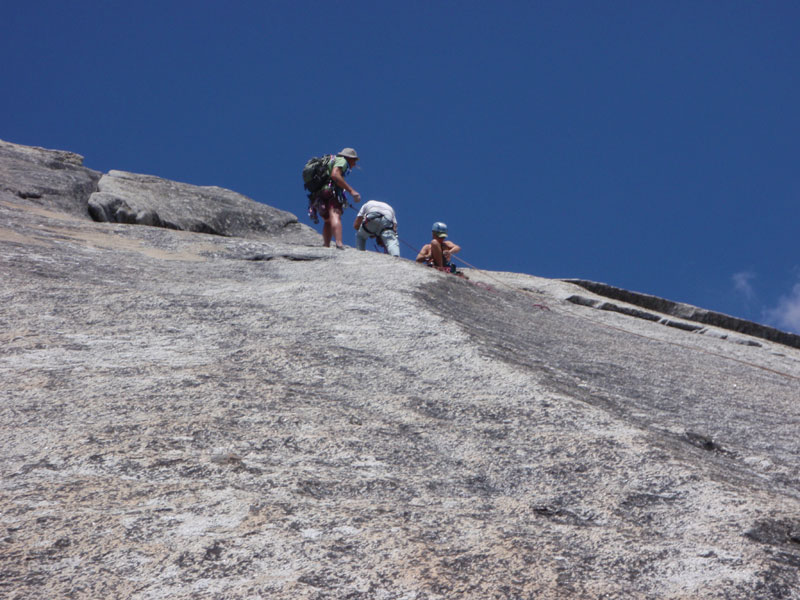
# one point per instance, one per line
(146, 200)
(57, 180)
(686, 311)
(53, 179)
(188, 415)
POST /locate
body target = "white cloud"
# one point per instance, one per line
(741, 283)
(786, 315)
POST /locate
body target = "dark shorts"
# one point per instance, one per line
(327, 200)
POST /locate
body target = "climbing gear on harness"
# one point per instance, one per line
(376, 223)
(319, 201)
(448, 267)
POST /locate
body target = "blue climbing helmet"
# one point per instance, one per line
(439, 229)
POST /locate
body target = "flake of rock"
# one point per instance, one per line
(692, 313)
(147, 200)
(53, 179)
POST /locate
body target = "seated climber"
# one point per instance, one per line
(440, 250)
(377, 220)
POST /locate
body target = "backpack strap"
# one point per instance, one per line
(329, 163)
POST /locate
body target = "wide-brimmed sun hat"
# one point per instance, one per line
(348, 153)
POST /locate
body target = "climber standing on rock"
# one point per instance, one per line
(329, 201)
(377, 220)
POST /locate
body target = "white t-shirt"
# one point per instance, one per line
(378, 207)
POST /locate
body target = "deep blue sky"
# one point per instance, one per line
(650, 145)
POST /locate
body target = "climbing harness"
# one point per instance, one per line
(318, 200)
(376, 223)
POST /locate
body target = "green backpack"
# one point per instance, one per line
(316, 174)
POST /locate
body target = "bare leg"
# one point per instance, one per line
(326, 233)
(334, 224)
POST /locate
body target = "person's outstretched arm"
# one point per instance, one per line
(338, 179)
